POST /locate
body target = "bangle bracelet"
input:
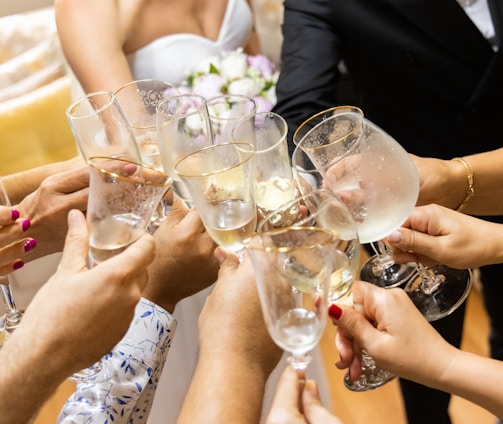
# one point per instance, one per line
(470, 177)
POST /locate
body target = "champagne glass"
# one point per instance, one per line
(123, 196)
(371, 173)
(13, 315)
(225, 112)
(220, 180)
(100, 127)
(274, 182)
(321, 208)
(184, 127)
(139, 99)
(293, 266)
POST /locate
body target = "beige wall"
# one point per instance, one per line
(9, 7)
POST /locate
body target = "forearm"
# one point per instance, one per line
(20, 184)
(224, 390)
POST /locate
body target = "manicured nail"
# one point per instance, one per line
(14, 213)
(30, 245)
(334, 311)
(18, 264)
(395, 237)
(26, 224)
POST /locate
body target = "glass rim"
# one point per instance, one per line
(332, 237)
(251, 153)
(111, 99)
(160, 105)
(210, 104)
(349, 108)
(92, 162)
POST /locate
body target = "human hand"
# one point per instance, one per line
(233, 311)
(48, 207)
(294, 393)
(393, 332)
(12, 245)
(184, 262)
(80, 313)
(434, 234)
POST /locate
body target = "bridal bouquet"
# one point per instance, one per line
(235, 72)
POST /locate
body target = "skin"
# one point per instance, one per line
(96, 304)
(411, 348)
(121, 27)
(243, 356)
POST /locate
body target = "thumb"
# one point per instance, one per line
(314, 411)
(226, 259)
(76, 248)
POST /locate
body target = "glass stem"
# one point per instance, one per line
(12, 316)
(383, 260)
(299, 362)
(429, 280)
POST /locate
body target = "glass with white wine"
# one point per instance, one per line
(220, 181)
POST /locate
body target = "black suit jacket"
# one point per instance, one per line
(421, 70)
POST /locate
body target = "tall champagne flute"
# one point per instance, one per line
(274, 182)
(100, 127)
(372, 174)
(13, 315)
(220, 181)
(184, 127)
(139, 99)
(321, 208)
(293, 266)
(123, 196)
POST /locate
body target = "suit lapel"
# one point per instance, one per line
(447, 24)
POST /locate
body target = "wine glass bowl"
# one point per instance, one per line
(292, 267)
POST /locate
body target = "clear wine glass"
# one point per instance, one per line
(101, 128)
(293, 266)
(13, 315)
(123, 195)
(321, 208)
(225, 112)
(139, 99)
(371, 173)
(184, 127)
(274, 182)
(220, 180)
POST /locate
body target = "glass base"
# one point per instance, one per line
(372, 377)
(448, 295)
(98, 372)
(389, 276)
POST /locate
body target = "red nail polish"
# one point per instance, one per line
(30, 245)
(26, 224)
(18, 264)
(334, 311)
(14, 213)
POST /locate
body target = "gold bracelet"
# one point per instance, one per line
(470, 177)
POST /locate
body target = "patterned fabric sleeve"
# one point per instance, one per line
(137, 362)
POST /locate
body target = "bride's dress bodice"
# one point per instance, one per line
(169, 58)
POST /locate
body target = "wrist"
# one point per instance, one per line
(467, 177)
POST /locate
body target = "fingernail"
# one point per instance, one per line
(26, 224)
(395, 237)
(18, 264)
(334, 311)
(14, 213)
(30, 245)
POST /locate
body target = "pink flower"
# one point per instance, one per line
(262, 64)
(208, 86)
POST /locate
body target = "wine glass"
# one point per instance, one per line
(139, 99)
(293, 266)
(220, 181)
(13, 315)
(321, 208)
(225, 112)
(123, 196)
(100, 127)
(371, 173)
(184, 127)
(274, 182)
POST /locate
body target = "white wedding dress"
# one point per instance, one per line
(168, 59)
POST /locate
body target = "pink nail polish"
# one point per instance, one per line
(18, 264)
(14, 213)
(26, 224)
(30, 245)
(334, 311)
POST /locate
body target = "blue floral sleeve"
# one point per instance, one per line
(137, 361)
